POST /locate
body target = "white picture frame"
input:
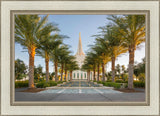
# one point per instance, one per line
(80, 6)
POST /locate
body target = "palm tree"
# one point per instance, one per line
(68, 61)
(123, 71)
(54, 59)
(20, 69)
(123, 68)
(114, 43)
(91, 59)
(103, 52)
(139, 68)
(105, 59)
(132, 30)
(55, 53)
(118, 70)
(63, 54)
(47, 44)
(98, 52)
(87, 67)
(28, 29)
(71, 67)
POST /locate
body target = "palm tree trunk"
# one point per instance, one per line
(98, 72)
(89, 75)
(70, 75)
(94, 73)
(131, 67)
(103, 72)
(47, 68)
(113, 69)
(65, 72)
(55, 64)
(31, 67)
(61, 71)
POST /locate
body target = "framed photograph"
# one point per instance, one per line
(80, 57)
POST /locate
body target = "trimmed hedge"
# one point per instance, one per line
(19, 84)
(139, 84)
(44, 84)
(136, 84)
(125, 82)
(41, 84)
(126, 86)
(109, 81)
(100, 82)
(111, 84)
(52, 83)
(121, 81)
(59, 82)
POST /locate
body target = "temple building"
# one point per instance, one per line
(80, 56)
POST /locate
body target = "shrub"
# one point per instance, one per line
(124, 77)
(41, 79)
(139, 84)
(52, 83)
(111, 84)
(141, 77)
(109, 77)
(125, 81)
(116, 78)
(100, 82)
(19, 84)
(119, 81)
(117, 86)
(59, 82)
(44, 84)
(109, 81)
(41, 84)
(126, 85)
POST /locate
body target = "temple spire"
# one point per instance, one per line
(80, 50)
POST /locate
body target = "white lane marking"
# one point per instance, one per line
(80, 91)
(98, 91)
(61, 91)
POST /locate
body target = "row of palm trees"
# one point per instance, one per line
(41, 38)
(123, 34)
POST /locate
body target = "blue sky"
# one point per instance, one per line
(71, 25)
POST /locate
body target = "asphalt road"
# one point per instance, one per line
(70, 95)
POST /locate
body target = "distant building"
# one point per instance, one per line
(80, 56)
